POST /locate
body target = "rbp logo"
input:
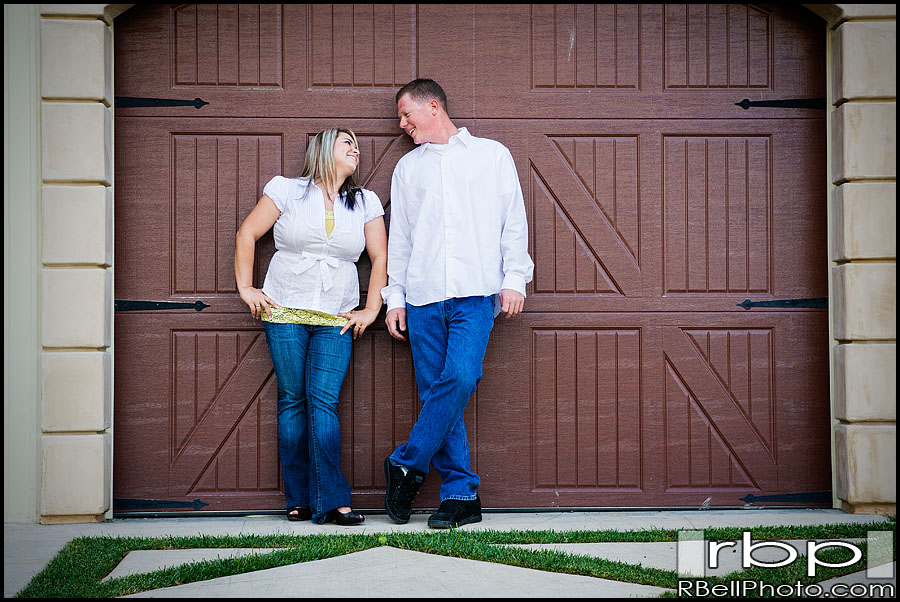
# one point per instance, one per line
(693, 553)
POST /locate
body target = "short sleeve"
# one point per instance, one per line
(373, 205)
(277, 190)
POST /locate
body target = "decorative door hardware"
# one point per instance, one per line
(135, 504)
(127, 305)
(808, 497)
(125, 102)
(815, 302)
(792, 103)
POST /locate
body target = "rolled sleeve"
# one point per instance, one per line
(518, 268)
(393, 296)
(514, 282)
(399, 248)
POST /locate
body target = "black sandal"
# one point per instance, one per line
(344, 519)
(299, 513)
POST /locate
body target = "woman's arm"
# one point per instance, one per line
(260, 221)
(376, 247)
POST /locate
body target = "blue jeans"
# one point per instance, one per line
(448, 339)
(310, 365)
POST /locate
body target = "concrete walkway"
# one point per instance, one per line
(389, 572)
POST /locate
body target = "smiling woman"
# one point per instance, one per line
(307, 303)
(331, 162)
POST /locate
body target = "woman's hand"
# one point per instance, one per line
(359, 321)
(256, 300)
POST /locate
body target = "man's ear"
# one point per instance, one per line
(434, 104)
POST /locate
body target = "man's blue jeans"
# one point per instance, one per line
(448, 339)
(310, 365)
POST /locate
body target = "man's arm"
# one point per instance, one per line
(399, 249)
(518, 268)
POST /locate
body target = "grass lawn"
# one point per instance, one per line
(78, 569)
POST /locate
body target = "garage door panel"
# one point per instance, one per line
(717, 428)
(586, 407)
(723, 197)
(735, 218)
(204, 442)
(582, 379)
(200, 422)
(582, 241)
(142, 432)
(655, 205)
(718, 46)
(608, 169)
(643, 61)
(718, 209)
(379, 405)
(201, 419)
(207, 176)
(293, 60)
(732, 398)
(499, 417)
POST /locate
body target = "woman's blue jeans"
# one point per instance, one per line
(448, 339)
(310, 365)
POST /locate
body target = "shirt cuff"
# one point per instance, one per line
(514, 282)
(393, 297)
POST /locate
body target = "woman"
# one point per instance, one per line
(322, 221)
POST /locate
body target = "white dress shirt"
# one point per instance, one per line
(311, 270)
(458, 226)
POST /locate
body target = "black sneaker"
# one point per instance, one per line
(456, 513)
(402, 485)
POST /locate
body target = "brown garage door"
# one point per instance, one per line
(655, 205)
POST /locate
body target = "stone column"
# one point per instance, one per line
(77, 255)
(864, 255)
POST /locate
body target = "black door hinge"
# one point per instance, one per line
(816, 302)
(126, 305)
(134, 504)
(808, 497)
(792, 103)
(125, 102)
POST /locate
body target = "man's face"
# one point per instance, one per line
(417, 119)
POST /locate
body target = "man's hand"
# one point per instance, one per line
(511, 302)
(396, 322)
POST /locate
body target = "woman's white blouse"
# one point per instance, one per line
(309, 269)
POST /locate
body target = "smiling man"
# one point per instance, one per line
(457, 256)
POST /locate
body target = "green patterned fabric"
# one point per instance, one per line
(289, 315)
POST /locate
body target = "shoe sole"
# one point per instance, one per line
(445, 524)
(387, 506)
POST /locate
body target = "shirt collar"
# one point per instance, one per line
(462, 136)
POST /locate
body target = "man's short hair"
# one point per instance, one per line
(424, 90)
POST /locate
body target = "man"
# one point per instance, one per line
(458, 241)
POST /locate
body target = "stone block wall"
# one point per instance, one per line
(77, 257)
(864, 255)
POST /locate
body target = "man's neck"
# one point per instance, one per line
(447, 131)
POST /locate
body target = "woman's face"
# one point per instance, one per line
(346, 155)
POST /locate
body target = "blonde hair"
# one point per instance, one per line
(319, 165)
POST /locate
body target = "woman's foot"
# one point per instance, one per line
(345, 519)
(299, 513)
